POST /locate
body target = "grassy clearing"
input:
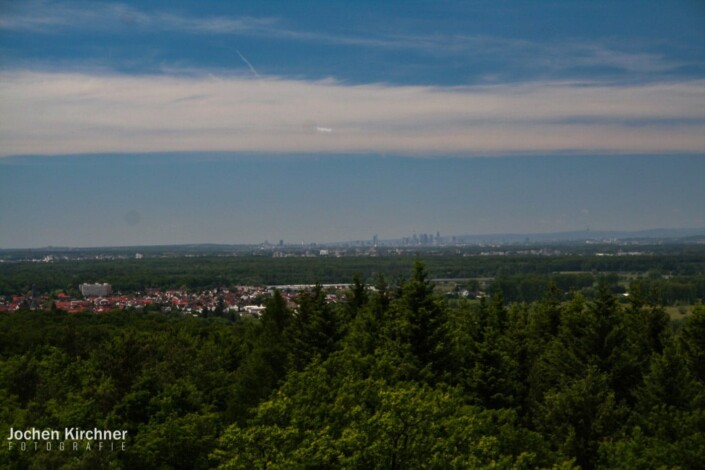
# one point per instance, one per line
(679, 312)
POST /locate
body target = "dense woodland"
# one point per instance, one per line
(393, 377)
(671, 278)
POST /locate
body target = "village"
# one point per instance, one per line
(100, 298)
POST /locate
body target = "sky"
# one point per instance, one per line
(164, 122)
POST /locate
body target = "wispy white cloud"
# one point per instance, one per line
(574, 54)
(57, 17)
(213, 25)
(64, 113)
(51, 17)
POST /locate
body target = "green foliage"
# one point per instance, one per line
(418, 321)
(693, 343)
(391, 377)
(372, 424)
(580, 415)
(314, 330)
(265, 364)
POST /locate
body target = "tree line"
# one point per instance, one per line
(672, 278)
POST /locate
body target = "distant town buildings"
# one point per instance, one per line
(95, 290)
(246, 301)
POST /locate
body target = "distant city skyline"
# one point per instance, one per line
(161, 122)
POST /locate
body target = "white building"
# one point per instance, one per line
(96, 290)
(254, 310)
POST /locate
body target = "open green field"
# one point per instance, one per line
(679, 312)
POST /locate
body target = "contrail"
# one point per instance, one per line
(252, 69)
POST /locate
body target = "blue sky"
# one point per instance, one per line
(234, 122)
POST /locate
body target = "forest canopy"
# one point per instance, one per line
(391, 377)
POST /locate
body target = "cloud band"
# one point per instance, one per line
(67, 113)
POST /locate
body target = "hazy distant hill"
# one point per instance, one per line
(587, 235)
(682, 235)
